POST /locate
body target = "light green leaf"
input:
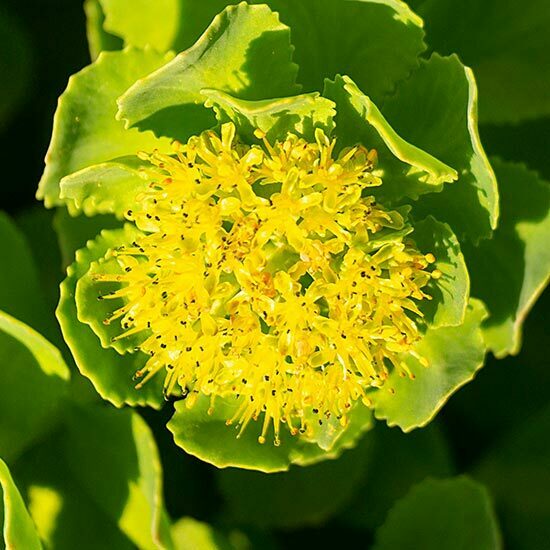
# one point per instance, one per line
(132, 21)
(451, 292)
(190, 534)
(506, 44)
(107, 188)
(454, 355)
(246, 52)
(18, 528)
(397, 462)
(207, 437)
(445, 92)
(517, 473)
(455, 512)
(99, 39)
(110, 373)
(510, 271)
(405, 169)
(299, 115)
(85, 131)
(20, 291)
(130, 490)
(299, 497)
(34, 381)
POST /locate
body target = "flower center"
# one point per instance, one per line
(269, 274)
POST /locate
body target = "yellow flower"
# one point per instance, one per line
(269, 274)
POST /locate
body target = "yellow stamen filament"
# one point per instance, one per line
(267, 273)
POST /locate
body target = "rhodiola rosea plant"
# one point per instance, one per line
(278, 218)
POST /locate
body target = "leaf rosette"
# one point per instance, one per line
(286, 259)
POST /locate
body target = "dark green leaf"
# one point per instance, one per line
(34, 381)
(456, 513)
(407, 170)
(445, 93)
(510, 271)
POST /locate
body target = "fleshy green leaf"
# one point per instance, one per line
(20, 291)
(329, 36)
(110, 373)
(190, 534)
(301, 496)
(132, 21)
(34, 380)
(85, 130)
(130, 490)
(207, 437)
(299, 115)
(510, 271)
(99, 39)
(507, 46)
(375, 42)
(18, 528)
(107, 188)
(246, 52)
(454, 354)
(397, 462)
(456, 512)
(450, 293)
(445, 92)
(405, 169)
(517, 474)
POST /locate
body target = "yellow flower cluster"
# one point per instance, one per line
(267, 274)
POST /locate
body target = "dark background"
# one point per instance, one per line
(505, 393)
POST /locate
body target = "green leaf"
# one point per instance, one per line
(207, 437)
(34, 381)
(518, 253)
(246, 52)
(18, 528)
(451, 292)
(397, 462)
(190, 534)
(97, 483)
(301, 496)
(300, 115)
(454, 354)
(516, 472)
(85, 131)
(445, 92)
(107, 188)
(406, 169)
(457, 511)
(130, 490)
(65, 516)
(375, 42)
(132, 21)
(110, 373)
(99, 39)
(20, 291)
(507, 46)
